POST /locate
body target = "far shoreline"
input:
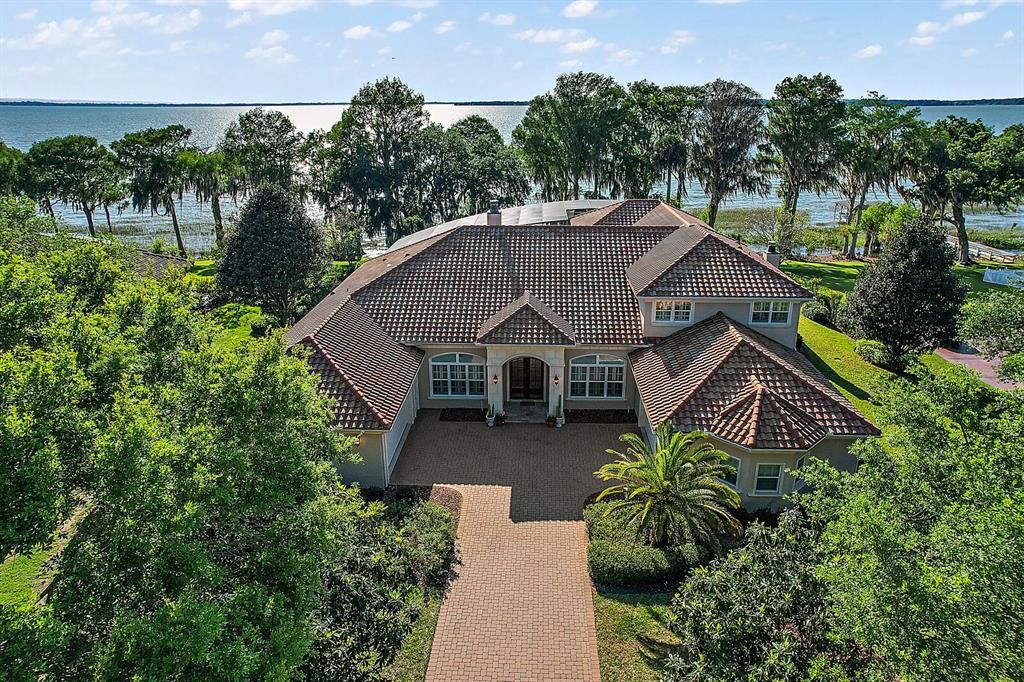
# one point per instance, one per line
(1007, 101)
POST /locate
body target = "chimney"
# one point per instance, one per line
(493, 213)
(772, 255)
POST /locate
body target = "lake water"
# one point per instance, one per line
(21, 126)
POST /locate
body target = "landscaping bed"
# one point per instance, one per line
(462, 414)
(600, 416)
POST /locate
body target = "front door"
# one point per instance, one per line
(525, 379)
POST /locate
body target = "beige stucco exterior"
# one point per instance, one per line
(740, 311)
(369, 472)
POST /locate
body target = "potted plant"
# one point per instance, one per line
(499, 418)
(559, 417)
(490, 414)
(550, 421)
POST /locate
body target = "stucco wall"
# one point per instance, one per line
(369, 473)
(835, 451)
(395, 438)
(736, 310)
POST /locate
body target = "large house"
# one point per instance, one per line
(614, 305)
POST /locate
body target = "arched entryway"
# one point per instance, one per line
(526, 379)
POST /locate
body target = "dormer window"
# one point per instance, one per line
(770, 312)
(673, 312)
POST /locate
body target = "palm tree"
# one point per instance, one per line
(674, 492)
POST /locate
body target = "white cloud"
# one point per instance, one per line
(418, 16)
(175, 23)
(1008, 35)
(275, 37)
(179, 2)
(444, 27)
(777, 47)
(579, 46)
(276, 54)
(27, 15)
(417, 4)
(498, 19)
(930, 29)
(517, 66)
(868, 52)
(359, 32)
(357, 3)
(720, 2)
(964, 19)
(579, 8)
(240, 20)
(570, 64)
(969, 52)
(384, 51)
(399, 26)
(624, 56)
(549, 35)
(676, 40)
(270, 7)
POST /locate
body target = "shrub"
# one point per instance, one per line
(262, 325)
(817, 311)
(428, 542)
(621, 563)
(874, 352)
(611, 528)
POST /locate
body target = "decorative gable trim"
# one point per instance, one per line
(526, 320)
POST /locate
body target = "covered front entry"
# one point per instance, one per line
(526, 378)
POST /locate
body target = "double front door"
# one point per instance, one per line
(525, 379)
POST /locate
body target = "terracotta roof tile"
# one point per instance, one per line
(527, 320)
(364, 371)
(703, 378)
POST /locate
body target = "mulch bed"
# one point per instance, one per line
(600, 417)
(463, 414)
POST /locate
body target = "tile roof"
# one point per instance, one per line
(695, 262)
(527, 320)
(721, 377)
(365, 372)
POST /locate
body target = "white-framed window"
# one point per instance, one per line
(800, 462)
(597, 376)
(733, 478)
(457, 375)
(673, 312)
(770, 312)
(768, 479)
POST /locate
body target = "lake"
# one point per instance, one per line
(21, 126)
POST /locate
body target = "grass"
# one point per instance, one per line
(832, 352)
(838, 275)
(18, 577)
(410, 665)
(632, 639)
(235, 319)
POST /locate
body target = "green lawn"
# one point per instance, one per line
(632, 639)
(411, 663)
(236, 321)
(840, 275)
(18, 576)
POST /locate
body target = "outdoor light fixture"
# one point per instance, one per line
(557, 379)
(494, 379)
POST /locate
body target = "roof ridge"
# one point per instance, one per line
(753, 256)
(345, 377)
(758, 410)
(707, 377)
(785, 415)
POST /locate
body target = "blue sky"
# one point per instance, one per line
(323, 50)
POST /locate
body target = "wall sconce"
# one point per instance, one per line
(557, 380)
(494, 379)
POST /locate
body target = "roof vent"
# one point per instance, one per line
(493, 213)
(772, 255)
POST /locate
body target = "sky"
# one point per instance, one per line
(323, 50)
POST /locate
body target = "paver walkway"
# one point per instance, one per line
(521, 606)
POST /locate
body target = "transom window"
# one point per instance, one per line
(596, 376)
(673, 311)
(770, 312)
(458, 375)
(733, 478)
(768, 479)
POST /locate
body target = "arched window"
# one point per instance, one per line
(457, 375)
(597, 376)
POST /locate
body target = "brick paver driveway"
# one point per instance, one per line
(521, 606)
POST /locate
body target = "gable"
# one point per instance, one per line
(527, 320)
